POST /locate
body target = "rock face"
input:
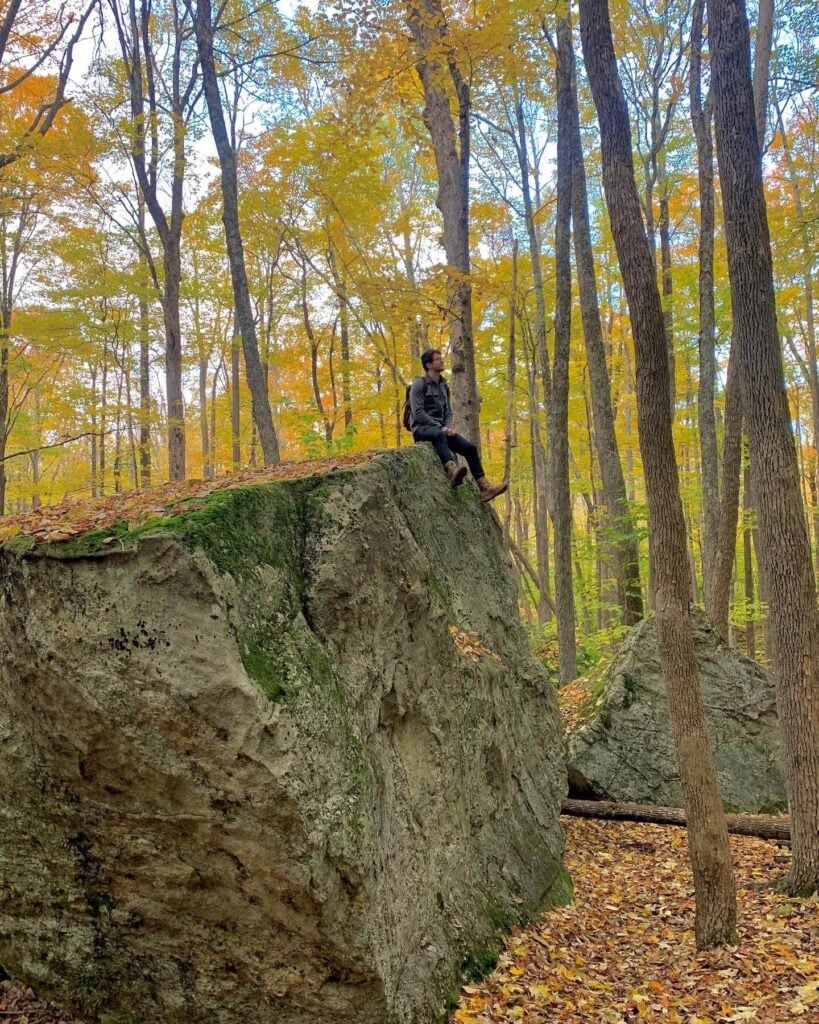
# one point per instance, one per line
(247, 773)
(623, 749)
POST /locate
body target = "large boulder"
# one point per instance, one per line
(621, 746)
(283, 757)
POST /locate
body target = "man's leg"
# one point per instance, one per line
(463, 447)
(436, 437)
(470, 452)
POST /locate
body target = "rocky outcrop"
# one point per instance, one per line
(622, 749)
(251, 770)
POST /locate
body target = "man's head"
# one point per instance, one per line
(432, 360)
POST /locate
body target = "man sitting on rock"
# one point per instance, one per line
(431, 420)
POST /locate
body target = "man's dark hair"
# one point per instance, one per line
(426, 357)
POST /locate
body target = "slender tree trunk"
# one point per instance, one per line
(5, 327)
(438, 71)
(235, 397)
(560, 491)
(260, 402)
(173, 359)
(786, 565)
(762, 62)
(540, 496)
(667, 282)
(522, 148)
(706, 420)
(748, 562)
(511, 372)
(725, 550)
(144, 363)
(715, 922)
(344, 327)
(620, 524)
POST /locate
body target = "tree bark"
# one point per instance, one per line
(560, 492)
(235, 397)
(715, 919)
(540, 496)
(522, 148)
(706, 420)
(439, 78)
(620, 523)
(761, 825)
(144, 361)
(260, 402)
(511, 373)
(762, 63)
(344, 327)
(725, 550)
(786, 563)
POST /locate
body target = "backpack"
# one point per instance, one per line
(406, 418)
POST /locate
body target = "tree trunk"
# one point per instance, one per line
(540, 491)
(5, 326)
(667, 283)
(748, 562)
(235, 397)
(706, 420)
(809, 364)
(786, 563)
(724, 554)
(522, 148)
(560, 491)
(762, 62)
(511, 372)
(260, 402)
(620, 524)
(144, 363)
(452, 158)
(715, 922)
(762, 826)
(344, 326)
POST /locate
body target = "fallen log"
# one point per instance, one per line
(763, 826)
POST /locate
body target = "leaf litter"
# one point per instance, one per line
(624, 950)
(69, 519)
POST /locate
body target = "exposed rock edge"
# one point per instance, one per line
(246, 774)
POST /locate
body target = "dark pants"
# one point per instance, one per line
(445, 446)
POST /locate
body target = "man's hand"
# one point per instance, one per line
(449, 431)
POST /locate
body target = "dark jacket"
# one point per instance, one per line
(430, 404)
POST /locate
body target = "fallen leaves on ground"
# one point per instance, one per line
(68, 519)
(573, 699)
(624, 951)
(19, 1004)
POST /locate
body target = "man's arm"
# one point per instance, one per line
(448, 414)
(420, 418)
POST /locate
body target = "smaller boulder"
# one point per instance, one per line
(620, 746)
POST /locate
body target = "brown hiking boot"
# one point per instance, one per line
(488, 492)
(455, 473)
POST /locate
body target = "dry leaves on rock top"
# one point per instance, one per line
(471, 646)
(624, 951)
(68, 519)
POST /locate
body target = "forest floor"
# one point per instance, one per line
(624, 950)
